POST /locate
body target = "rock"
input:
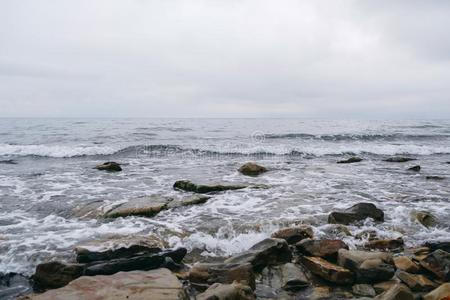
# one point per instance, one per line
(405, 263)
(268, 252)
(109, 166)
(321, 248)
(399, 159)
(117, 248)
(52, 275)
(397, 292)
(252, 169)
(441, 293)
(387, 245)
(384, 286)
(435, 245)
(321, 293)
(357, 212)
(293, 235)
(8, 162)
(327, 270)
(289, 277)
(369, 267)
(187, 201)
(188, 186)
(202, 275)
(417, 283)
(423, 217)
(234, 291)
(144, 206)
(339, 230)
(13, 285)
(167, 258)
(438, 262)
(353, 159)
(435, 177)
(158, 284)
(414, 169)
(364, 290)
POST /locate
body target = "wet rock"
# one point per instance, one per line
(321, 248)
(384, 286)
(414, 169)
(321, 293)
(8, 162)
(327, 270)
(203, 275)
(417, 283)
(367, 234)
(158, 284)
(399, 159)
(268, 252)
(353, 159)
(406, 264)
(252, 169)
(167, 258)
(423, 217)
(13, 285)
(397, 292)
(441, 293)
(357, 212)
(187, 201)
(368, 266)
(435, 177)
(117, 248)
(288, 277)
(364, 290)
(435, 245)
(234, 291)
(293, 235)
(144, 207)
(109, 166)
(438, 262)
(417, 253)
(52, 275)
(188, 186)
(339, 230)
(387, 245)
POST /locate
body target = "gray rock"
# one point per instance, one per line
(423, 217)
(252, 169)
(399, 159)
(234, 291)
(13, 285)
(287, 276)
(144, 207)
(188, 186)
(438, 262)
(357, 212)
(435, 245)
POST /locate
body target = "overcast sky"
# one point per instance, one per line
(228, 58)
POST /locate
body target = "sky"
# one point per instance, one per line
(228, 58)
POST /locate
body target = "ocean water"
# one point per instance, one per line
(46, 170)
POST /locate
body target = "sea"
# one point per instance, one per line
(47, 171)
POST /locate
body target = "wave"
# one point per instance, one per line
(357, 137)
(57, 151)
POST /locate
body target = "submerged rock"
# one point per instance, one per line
(353, 159)
(52, 275)
(435, 177)
(397, 292)
(327, 270)
(423, 217)
(144, 207)
(295, 234)
(399, 159)
(441, 293)
(357, 212)
(438, 263)
(406, 264)
(8, 162)
(188, 186)
(414, 169)
(252, 169)
(234, 291)
(109, 166)
(288, 276)
(320, 248)
(158, 284)
(13, 285)
(268, 252)
(187, 201)
(417, 283)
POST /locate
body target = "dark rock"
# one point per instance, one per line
(414, 169)
(399, 159)
(417, 283)
(327, 270)
(109, 166)
(387, 245)
(269, 252)
(234, 291)
(52, 275)
(406, 264)
(144, 207)
(357, 212)
(423, 217)
(434, 245)
(293, 235)
(203, 275)
(435, 177)
(252, 169)
(353, 159)
(289, 277)
(438, 262)
(8, 162)
(397, 292)
(187, 201)
(188, 186)
(321, 248)
(13, 285)
(368, 266)
(441, 293)
(364, 290)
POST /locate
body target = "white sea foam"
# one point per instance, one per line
(57, 151)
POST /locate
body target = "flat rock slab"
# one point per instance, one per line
(322, 248)
(158, 284)
(145, 207)
(203, 275)
(441, 293)
(328, 271)
(417, 283)
(289, 277)
(188, 186)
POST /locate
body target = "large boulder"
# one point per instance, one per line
(357, 212)
(295, 234)
(109, 166)
(327, 270)
(268, 252)
(368, 266)
(438, 263)
(203, 275)
(321, 248)
(417, 283)
(397, 292)
(252, 169)
(399, 159)
(144, 206)
(350, 160)
(158, 284)
(188, 186)
(441, 293)
(234, 291)
(288, 277)
(52, 275)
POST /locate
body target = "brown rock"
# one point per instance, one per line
(327, 270)
(252, 169)
(417, 283)
(293, 235)
(321, 248)
(357, 212)
(234, 291)
(364, 290)
(383, 286)
(438, 262)
(406, 264)
(441, 293)
(397, 292)
(387, 245)
(54, 274)
(203, 275)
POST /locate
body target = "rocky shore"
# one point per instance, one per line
(290, 264)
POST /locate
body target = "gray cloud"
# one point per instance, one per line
(224, 58)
